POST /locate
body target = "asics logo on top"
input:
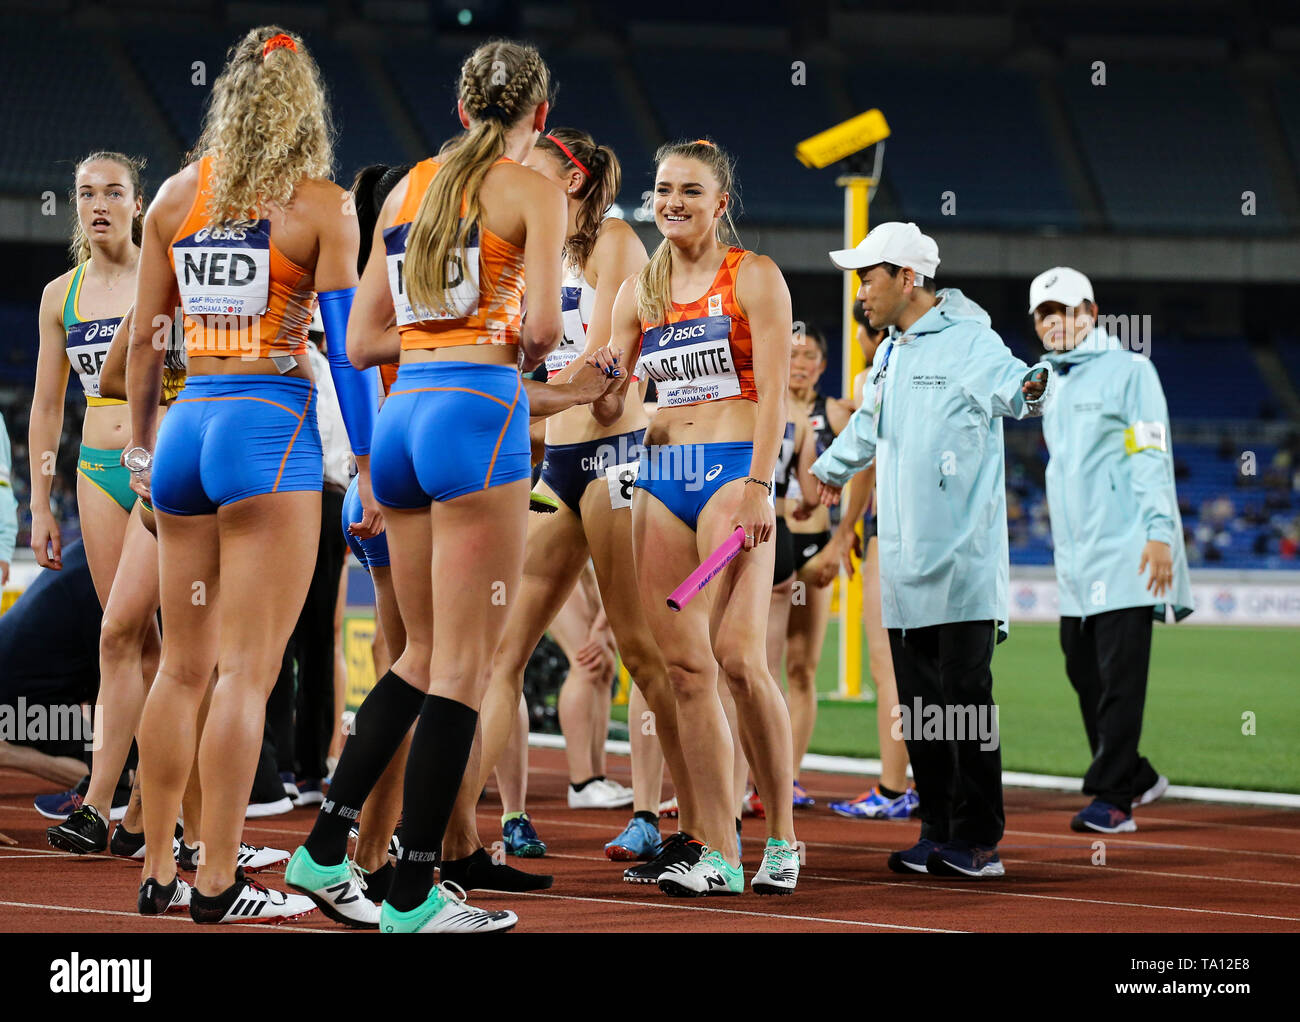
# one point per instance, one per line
(682, 333)
(221, 234)
(92, 331)
(712, 473)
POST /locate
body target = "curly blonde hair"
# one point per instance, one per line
(500, 83)
(267, 126)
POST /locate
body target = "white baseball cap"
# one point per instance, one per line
(897, 243)
(1059, 284)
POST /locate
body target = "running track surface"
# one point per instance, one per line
(1191, 867)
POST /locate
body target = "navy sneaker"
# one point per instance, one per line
(1103, 817)
(522, 839)
(60, 806)
(965, 860)
(914, 859)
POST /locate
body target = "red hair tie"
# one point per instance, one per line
(572, 159)
(277, 42)
(705, 141)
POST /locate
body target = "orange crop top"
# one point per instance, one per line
(488, 298)
(703, 351)
(241, 295)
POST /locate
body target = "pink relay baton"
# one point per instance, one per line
(703, 575)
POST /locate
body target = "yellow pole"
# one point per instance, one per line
(857, 191)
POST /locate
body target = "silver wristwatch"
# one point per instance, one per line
(138, 460)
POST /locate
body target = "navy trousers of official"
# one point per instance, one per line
(1107, 658)
(958, 783)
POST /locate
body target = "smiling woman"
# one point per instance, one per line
(711, 323)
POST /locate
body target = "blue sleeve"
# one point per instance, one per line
(8, 502)
(358, 391)
(992, 377)
(850, 452)
(1147, 445)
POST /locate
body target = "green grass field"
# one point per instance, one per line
(1202, 682)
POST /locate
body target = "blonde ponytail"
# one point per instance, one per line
(500, 83)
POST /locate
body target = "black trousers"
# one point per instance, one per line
(1107, 658)
(301, 714)
(958, 782)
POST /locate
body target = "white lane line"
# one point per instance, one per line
(1130, 843)
(1169, 821)
(167, 918)
(977, 888)
(815, 762)
(1149, 872)
(35, 851)
(33, 855)
(886, 849)
(736, 912)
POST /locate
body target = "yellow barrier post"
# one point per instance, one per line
(857, 193)
(846, 143)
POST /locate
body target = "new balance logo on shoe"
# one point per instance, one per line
(340, 893)
(716, 881)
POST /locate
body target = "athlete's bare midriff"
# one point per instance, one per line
(711, 422)
(107, 427)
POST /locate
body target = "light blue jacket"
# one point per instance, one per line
(1110, 480)
(931, 420)
(8, 502)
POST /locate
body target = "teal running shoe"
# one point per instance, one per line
(338, 891)
(444, 911)
(780, 869)
(711, 875)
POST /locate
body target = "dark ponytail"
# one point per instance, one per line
(370, 189)
(601, 182)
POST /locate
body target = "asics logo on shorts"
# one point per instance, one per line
(712, 473)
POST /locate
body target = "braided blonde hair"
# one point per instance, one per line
(500, 83)
(267, 126)
(654, 284)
